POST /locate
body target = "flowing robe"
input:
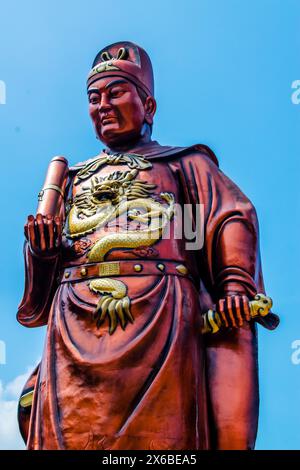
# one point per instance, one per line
(159, 383)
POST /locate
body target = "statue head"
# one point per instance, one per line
(120, 88)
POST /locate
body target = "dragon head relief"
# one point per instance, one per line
(119, 185)
(111, 189)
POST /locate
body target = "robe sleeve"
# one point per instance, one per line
(41, 280)
(228, 263)
(229, 258)
(40, 286)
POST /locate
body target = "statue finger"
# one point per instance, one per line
(221, 311)
(26, 231)
(229, 309)
(41, 231)
(237, 306)
(246, 308)
(31, 233)
(50, 228)
(58, 226)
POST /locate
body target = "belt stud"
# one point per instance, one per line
(181, 269)
(138, 267)
(161, 266)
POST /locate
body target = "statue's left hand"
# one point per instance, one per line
(234, 310)
(43, 234)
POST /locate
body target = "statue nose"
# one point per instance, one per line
(104, 103)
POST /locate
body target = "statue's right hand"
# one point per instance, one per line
(44, 234)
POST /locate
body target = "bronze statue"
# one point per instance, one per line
(150, 345)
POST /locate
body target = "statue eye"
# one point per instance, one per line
(116, 93)
(94, 99)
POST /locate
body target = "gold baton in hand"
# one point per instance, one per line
(260, 306)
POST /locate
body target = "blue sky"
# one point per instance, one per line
(224, 71)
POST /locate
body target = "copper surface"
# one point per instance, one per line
(125, 365)
(50, 198)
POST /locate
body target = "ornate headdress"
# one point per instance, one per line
(124, 59)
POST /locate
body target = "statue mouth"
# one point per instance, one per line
(107, 119)
(104, 194)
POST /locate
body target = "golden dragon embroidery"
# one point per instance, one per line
(107, 198)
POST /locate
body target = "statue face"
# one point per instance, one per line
(116, 110)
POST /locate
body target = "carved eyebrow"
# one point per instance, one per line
(93, 90)
(115, 82)
(110, 84)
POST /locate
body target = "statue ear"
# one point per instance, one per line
(150, 108)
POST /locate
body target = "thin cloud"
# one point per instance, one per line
(10, 437)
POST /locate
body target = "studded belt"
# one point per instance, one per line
(123, 268)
